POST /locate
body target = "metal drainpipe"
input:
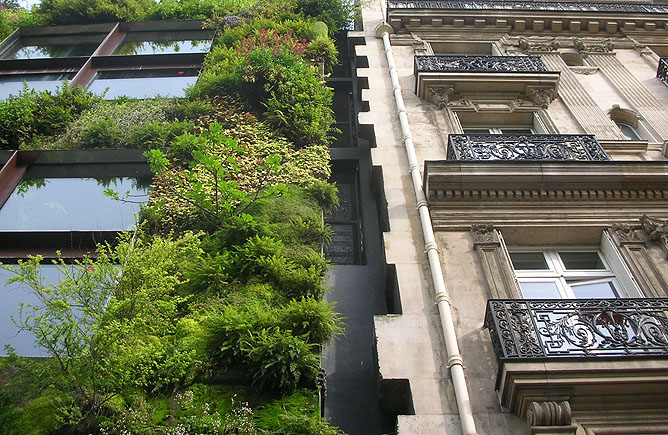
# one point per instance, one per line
(455, 362)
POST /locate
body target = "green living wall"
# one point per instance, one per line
(208, 318)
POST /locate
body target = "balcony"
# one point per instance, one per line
(546, 6)
(581, 350)
(442, 78)
(535, 147)
(662, 70)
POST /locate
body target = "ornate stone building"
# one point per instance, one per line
(523, 146)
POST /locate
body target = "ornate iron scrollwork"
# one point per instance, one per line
(662, 70)
(479, 64)
(540, 147)
(530, 6)
(578, 327)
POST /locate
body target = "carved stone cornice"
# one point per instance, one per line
(593, 46)
(657, 231)
(549, 413)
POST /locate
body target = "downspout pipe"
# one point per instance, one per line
(455, 362)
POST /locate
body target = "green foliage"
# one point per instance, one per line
(197, 9)
(323, 51)
(279, 361)
(58, 12)
(310, 318)
(305, 425)
(29, 117)
(127, 123)
(336, 14)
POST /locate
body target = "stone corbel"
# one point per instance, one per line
(548, 418)
(496, 265)
(657, 231)
(541, 96)
(440, 95)
(421, 47)
(589, 47)
(543, 45)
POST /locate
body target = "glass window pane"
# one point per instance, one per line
(43, 51)
(516, 131)
(12, 295)
(144, 83)
(528, 261)
(13, 84)
(476, 131)
(72, 204)
(582, 260)
(628, 131)
(598, 290)
(540, 290)
(163, 47)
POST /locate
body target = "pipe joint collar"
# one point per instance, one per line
(455, 360)
(442, 297)
(430, 246)
(422, 203)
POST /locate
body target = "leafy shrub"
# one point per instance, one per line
(30, 116)
(323, 51)
(336, 14)
(56, 12)
(279, 361)
(157, 134)
(103, 133)
(325, 193)
(310, 318)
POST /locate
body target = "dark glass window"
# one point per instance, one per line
(582, 261)
(13, 84)
(128, 47)
(528, 261)
(45, 51)
(146, 83)
(72, 204)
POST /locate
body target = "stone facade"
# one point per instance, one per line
(600, 79)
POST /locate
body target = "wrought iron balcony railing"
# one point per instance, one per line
(479, 64)
(559, 328)
(538, 147)
(662, 70)
(551, 6)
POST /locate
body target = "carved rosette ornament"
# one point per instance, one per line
(549, 413)
(484, 234)
(440, 95)
(657, 231)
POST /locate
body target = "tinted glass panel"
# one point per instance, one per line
(476, 131)
(144, 83)
(53, 50)
(13, 84)
(628, 131)
(516, 131)
(163, 47)
(540, 290)
(582, 261)
(12, 295)
(528, 261)
(71, 204)
(599, 290)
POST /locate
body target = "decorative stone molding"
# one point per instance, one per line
(420, 46)
(538, 45)
(631, 246)
(541, 96)
(591, 46)
(440, 95)
(584, 70)
(495, 262)
(484, 234)
(626, 233)
(549, 413)
(657, 231)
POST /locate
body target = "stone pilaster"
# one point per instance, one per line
(639, 97)
(495, 263)
(550, 418)
(583, 107)
(632, 248)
